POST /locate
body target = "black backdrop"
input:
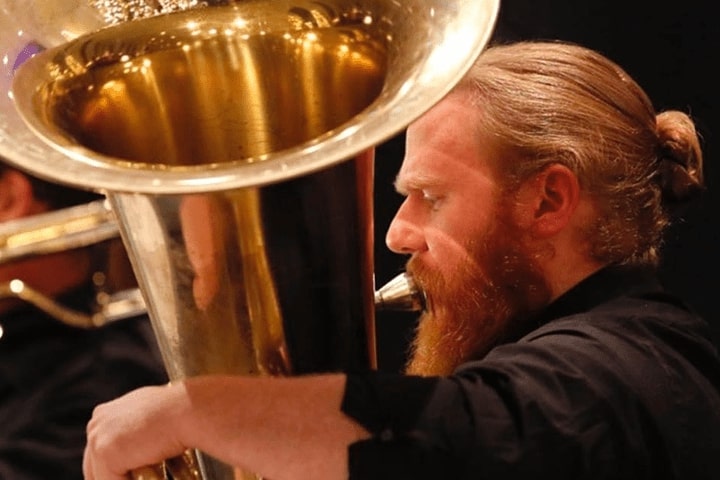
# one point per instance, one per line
(670, 48)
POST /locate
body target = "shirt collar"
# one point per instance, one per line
(607, 283)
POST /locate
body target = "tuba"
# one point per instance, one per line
(234, 143)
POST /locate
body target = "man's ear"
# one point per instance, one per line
(16, 196)
(552, 197)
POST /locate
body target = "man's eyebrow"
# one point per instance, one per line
(400, 185)
(406, 183)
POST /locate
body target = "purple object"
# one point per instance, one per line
(28, 51)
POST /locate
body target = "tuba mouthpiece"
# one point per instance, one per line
(401, 294)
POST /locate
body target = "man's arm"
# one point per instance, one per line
(281, 428)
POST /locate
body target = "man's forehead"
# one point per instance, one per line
(442, 147)
(442, 170)
(444, 115)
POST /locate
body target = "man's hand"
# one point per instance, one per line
(134, 431)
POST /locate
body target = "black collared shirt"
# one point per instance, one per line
(618, 380)
(52, 376)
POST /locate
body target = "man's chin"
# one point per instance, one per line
(437, 348)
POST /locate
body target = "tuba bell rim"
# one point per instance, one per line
(59, 158)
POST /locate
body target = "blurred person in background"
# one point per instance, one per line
(52, 373)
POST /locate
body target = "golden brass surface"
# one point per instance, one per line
(210, 93)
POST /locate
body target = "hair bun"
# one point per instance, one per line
(679, 166)
(677, 183)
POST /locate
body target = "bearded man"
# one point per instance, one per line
(536, 195)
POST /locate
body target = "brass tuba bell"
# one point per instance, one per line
(234, 143)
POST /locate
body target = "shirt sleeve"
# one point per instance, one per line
(422, 427)
(526, 408)
(389, 406)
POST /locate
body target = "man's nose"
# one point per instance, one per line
(404, 234)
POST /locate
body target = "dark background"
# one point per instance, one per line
(671, 49)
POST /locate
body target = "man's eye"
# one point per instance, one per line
(430, 199)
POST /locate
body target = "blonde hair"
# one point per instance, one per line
(554, 102)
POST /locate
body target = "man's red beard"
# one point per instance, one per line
(484, 302)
